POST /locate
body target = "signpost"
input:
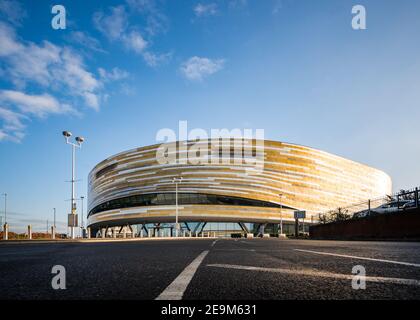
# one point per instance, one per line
(300, 214)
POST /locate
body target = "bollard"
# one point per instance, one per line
(30, 232)
(52, 232)
(6, 232)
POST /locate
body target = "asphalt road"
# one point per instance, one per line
(207, 269)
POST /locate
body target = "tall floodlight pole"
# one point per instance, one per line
(54, 218)
(176, 181)
(83, 226)
(281, 215)
(78, 144)
(5, 207)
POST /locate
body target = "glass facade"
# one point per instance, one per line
(183, 199)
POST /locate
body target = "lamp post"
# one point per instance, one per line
(281, 215)
(176, 181)
(5, 207)
(79, 140)
(83, 226)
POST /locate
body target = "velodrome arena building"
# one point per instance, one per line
(134, 190)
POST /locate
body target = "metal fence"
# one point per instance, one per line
(404, 199)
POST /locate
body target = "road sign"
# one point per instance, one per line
(72, 220)
(300, 214)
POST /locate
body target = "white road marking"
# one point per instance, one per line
(316, 273)
(214, 242)
(176, 289)
(360, 258)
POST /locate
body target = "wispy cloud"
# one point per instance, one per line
(196, 68)
(205, 10)
(12, 11)
(45, 70)
(85, 40)
(13, 127)
(156, 21)
(37, 105)
(114, 75)
(114, 25)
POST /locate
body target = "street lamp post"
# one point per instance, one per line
(176, 181)
(78, 144)
(5, 207)
(83, 226)
(281, 215)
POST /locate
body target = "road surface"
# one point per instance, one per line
(211, 269)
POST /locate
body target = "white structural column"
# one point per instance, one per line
(176, 181)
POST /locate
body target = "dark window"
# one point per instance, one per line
(183, 198)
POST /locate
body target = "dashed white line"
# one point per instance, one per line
(214, 242)
(316, 273)
(175, 291)
(360, 258)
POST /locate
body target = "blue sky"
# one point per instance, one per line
(122, 70)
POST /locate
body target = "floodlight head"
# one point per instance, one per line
(80, 140)
(67, 134)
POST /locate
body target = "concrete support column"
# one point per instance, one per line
(88, 233)
(141, 233)
(103, 233)
(196, 234)
(52, 232)
(114, 233)
(150, 233)
(190, 234)
(29, 232)
(124, 233)
(5, 231)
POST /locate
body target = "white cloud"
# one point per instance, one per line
(134, 41)
(13, 128)
(46, 69)
(113, 25)
(154, 60)
(114, 75)
(48, 66)
(196, 68)
(12, 11)
(156, 21)
(204, 10)
(238, 3)
(116, 28)
(38, 105)
(85, 40)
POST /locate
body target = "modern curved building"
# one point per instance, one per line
(136, 188)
